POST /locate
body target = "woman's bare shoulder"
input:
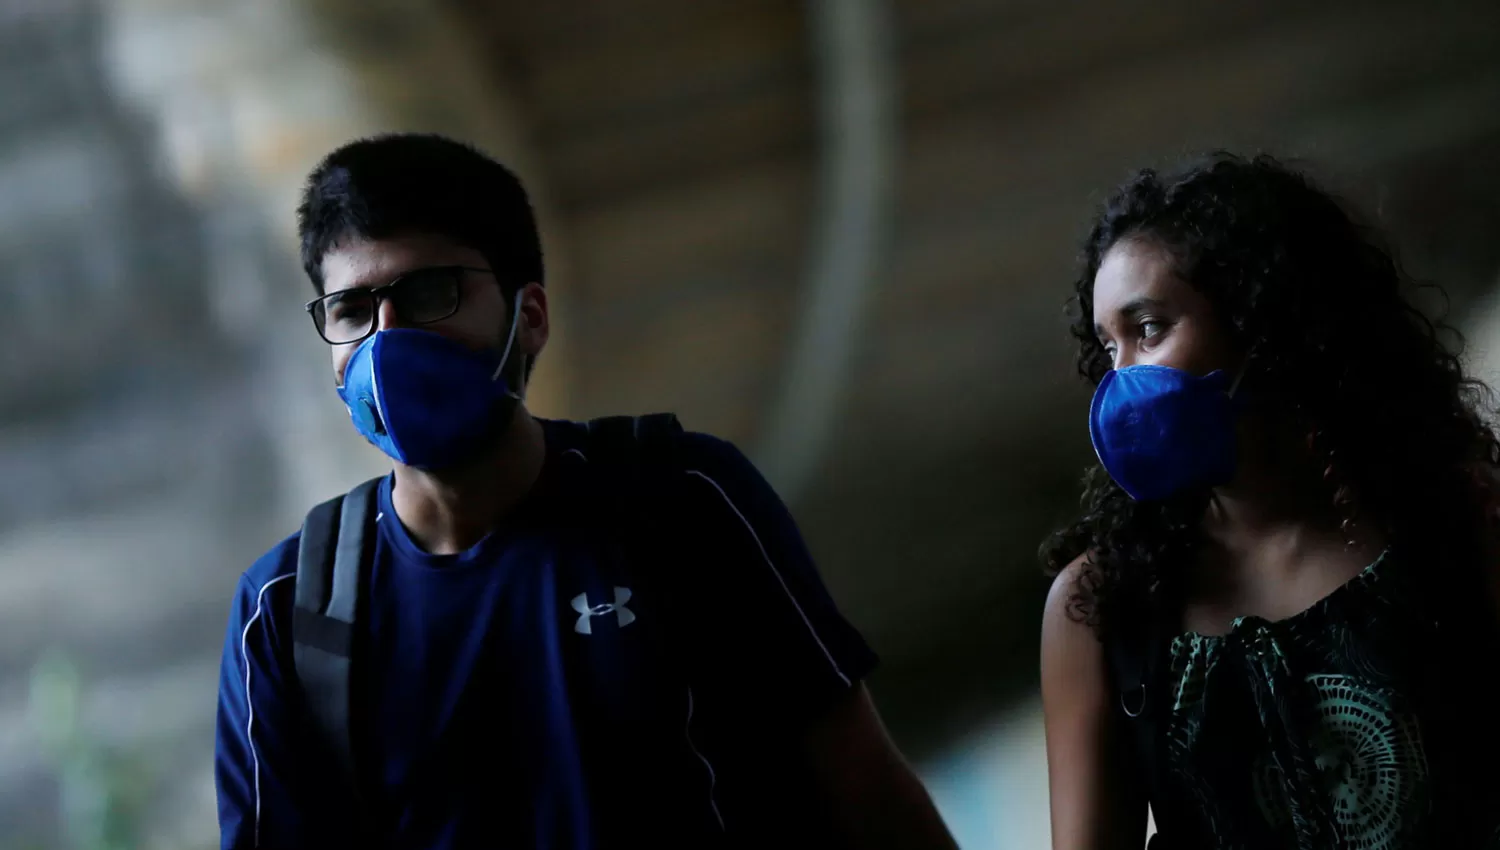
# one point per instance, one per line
(1067, 609)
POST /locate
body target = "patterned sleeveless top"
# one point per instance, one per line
(1355, 724)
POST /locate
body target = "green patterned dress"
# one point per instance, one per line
(1355, 724)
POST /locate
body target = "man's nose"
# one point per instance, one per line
(386, 316)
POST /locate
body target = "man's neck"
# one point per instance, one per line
(447, 512)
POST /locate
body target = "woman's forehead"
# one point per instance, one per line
(1133, 271)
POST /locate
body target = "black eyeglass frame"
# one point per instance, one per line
(379, 293)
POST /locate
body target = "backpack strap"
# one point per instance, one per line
(643, 443)
(639, 455)
(1135, 654)
(641, 451)
(331, 561)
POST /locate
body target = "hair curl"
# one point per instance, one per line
(1384, 404)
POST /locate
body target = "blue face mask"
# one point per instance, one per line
(426, 400)
(1159, 431)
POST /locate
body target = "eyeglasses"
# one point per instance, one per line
(421, 297)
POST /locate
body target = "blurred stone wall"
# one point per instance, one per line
(136, 476)
(165, 411)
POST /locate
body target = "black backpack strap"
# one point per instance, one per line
(645, 443)
(331, 561)
(640, 453)
(1135, 655)
(640, 457)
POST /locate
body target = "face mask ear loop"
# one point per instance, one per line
(510, 339)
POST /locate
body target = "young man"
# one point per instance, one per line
(565, 634)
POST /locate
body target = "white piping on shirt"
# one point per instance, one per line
(767, 558)
(687, 731)
(249, 702)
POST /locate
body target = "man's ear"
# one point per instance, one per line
(534, 328)
(532, 332)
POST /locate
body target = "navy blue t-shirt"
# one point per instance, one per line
(610, 668)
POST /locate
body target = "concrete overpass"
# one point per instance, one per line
(838, 233)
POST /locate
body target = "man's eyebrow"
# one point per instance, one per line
(372, 281)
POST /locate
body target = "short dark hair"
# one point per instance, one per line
(396, 183)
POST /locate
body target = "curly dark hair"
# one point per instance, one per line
(1387, 412)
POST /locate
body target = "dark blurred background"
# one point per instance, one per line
(837, 232)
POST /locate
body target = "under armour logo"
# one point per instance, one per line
(623, 616)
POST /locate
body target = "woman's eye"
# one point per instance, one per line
(1151, 329)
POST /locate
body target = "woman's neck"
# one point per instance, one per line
(1278, 516)
(1278, 494)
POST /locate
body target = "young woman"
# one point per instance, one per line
(1275, 621)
